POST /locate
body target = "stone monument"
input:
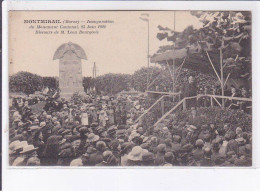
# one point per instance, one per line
(70, 69)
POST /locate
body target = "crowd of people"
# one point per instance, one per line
(100, 131)
(191, 88)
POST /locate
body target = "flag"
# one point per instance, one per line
(145, 14)
(144, 17)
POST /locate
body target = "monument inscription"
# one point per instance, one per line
(70, 69)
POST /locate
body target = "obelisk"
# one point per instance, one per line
(70, 69)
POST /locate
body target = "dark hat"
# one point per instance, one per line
(100, 145)
(161, 148)
(121, 132)
(94, 124)
(114, 144)
(65, 146)
(83, 129)
(100, 129)
(91, 150)
(187, 148)
(64, 153)
(65, 132)
(204, 126)
(147, 156)
(60, 131)
(199, 142)
(126, 146)
(122, 127)
(168, 156)
(145, 145)
(219, 160)
(111, 131)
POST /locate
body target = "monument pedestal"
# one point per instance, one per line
(67, 92)
(70, 73)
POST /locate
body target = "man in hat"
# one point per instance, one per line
(126, 148)
(189, 90)
(106, 156)
(111, 132)
(97, 157)
(169, 159)
(232, 143)
(176, 145)
(153, 145)
(198, 153)
(159, 158)
(206, 160)
(28, 153)
(147, 158)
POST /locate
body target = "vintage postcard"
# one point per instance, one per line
(130, 88)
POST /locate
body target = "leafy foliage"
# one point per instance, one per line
(25, 82)
(112, 83)
(50, 82)
(226, 30)
(88, 82)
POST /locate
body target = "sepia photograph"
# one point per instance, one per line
(130, 88)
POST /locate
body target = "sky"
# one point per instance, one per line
(119, 48)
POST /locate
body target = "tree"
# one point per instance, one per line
(88, 82)
(221, 47)
(112, 83)
(158, 77)
(50, 82)
(25, 82)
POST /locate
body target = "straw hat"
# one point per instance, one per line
(12, 146)
(76, 162)
(20, 145)
(28, 149)
(135, 154)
